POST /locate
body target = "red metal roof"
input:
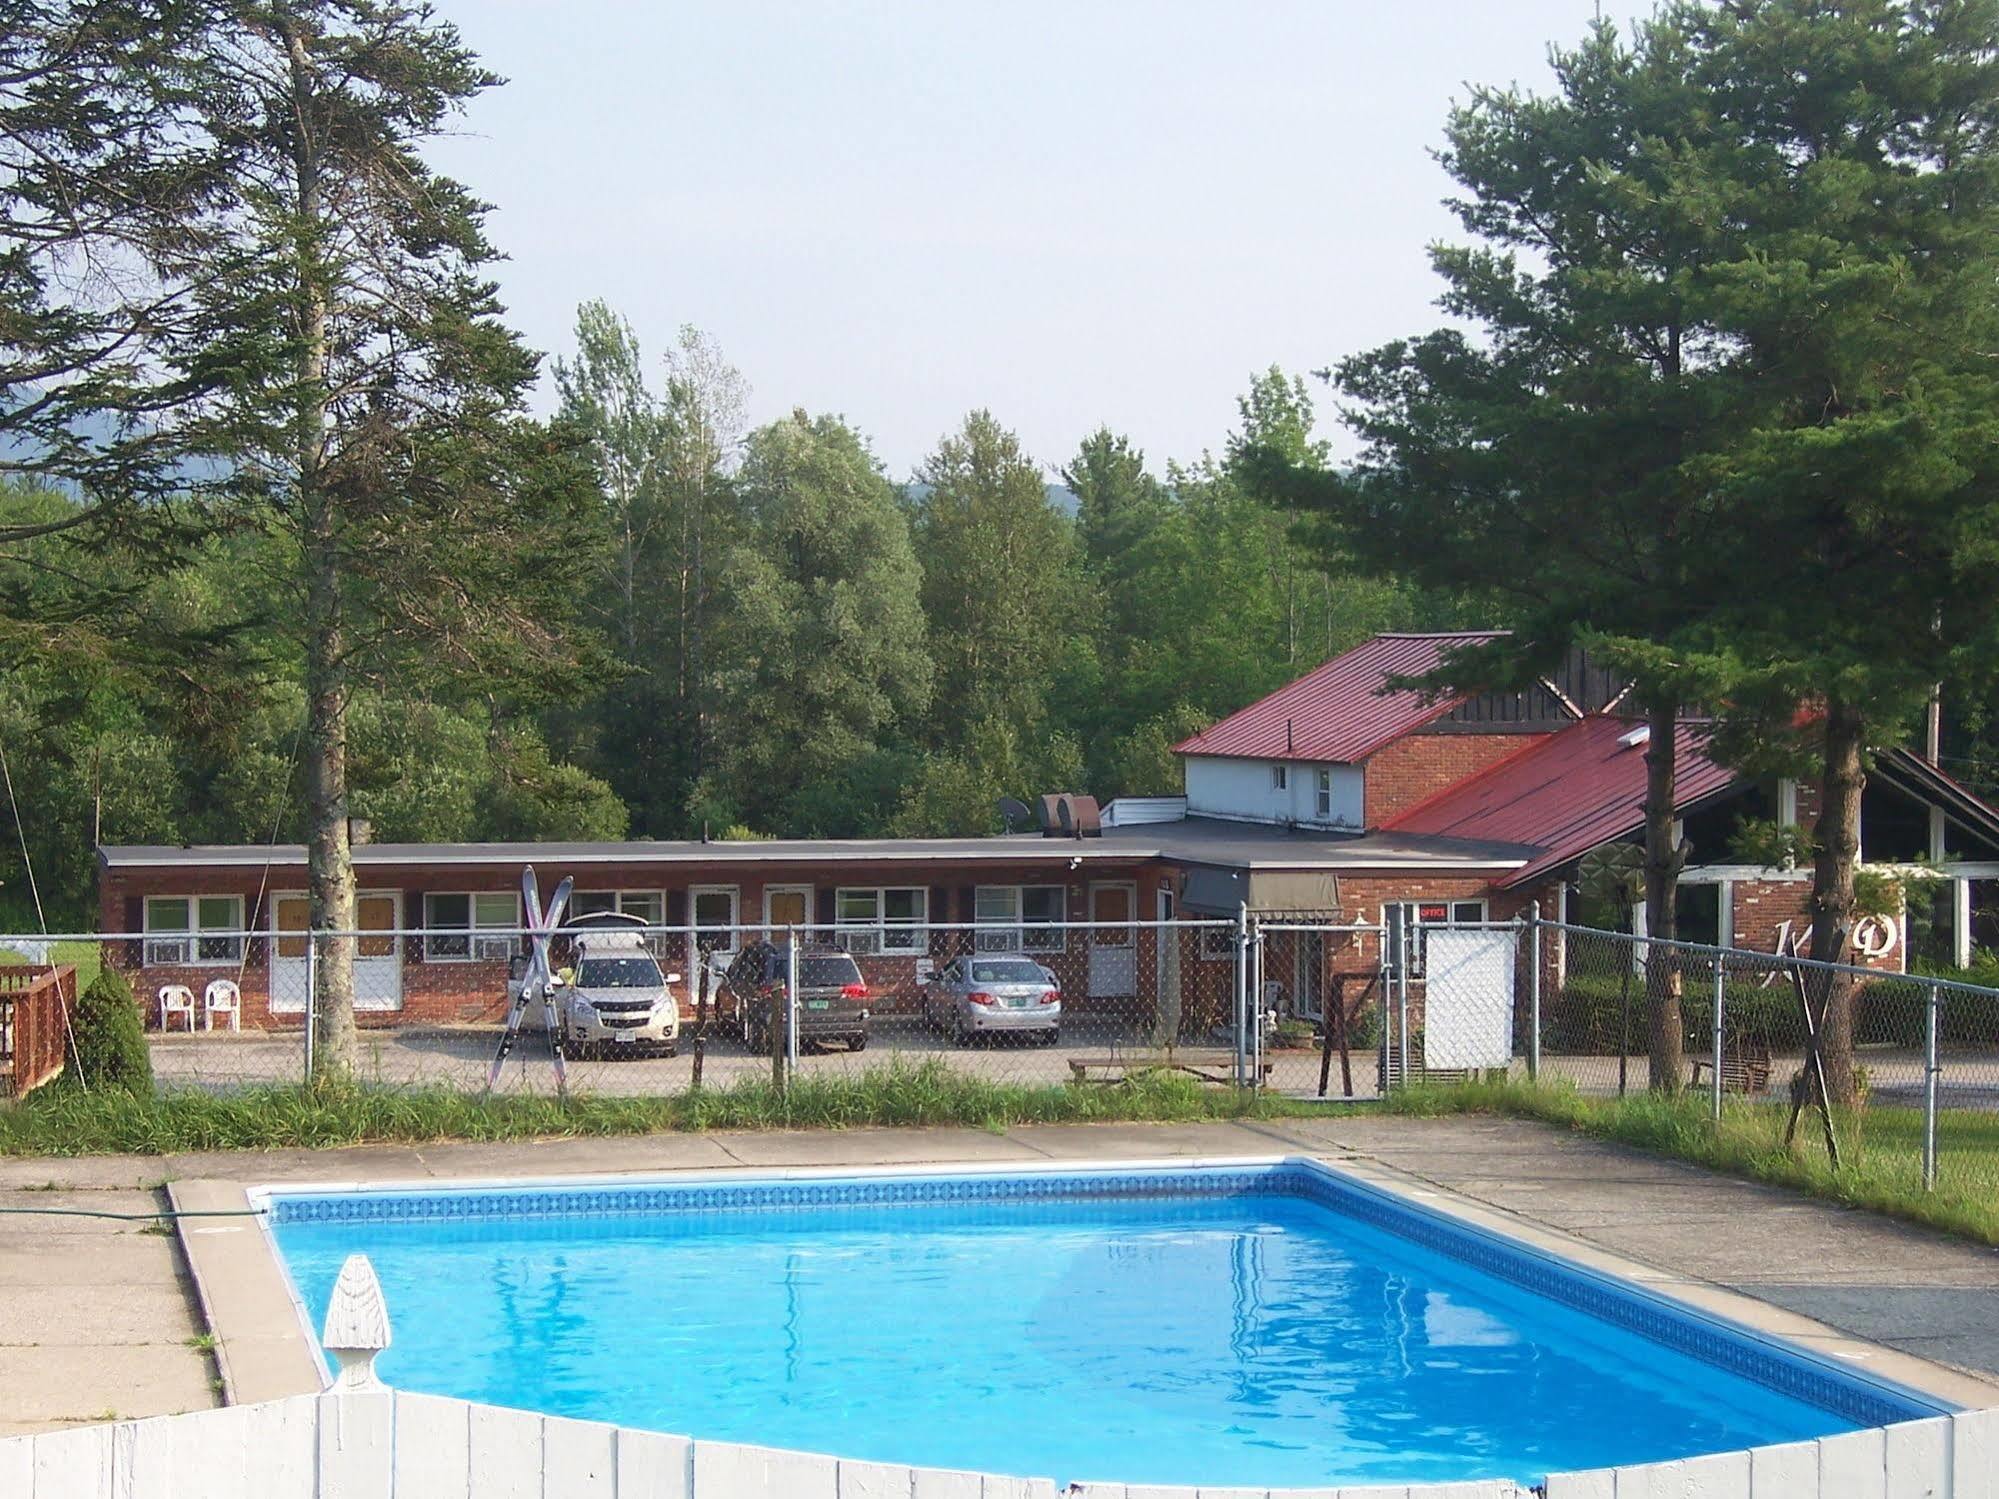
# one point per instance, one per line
(1338, 712)
(1565, 794)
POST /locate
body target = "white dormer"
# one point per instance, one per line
(1288, 793)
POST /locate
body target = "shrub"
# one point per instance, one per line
(108, 1038)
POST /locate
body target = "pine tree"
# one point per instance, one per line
(1865, 308)
(105, 199)
(1560, 461)
(371, 398)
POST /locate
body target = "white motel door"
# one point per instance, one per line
(1113, 942)
(378, 959)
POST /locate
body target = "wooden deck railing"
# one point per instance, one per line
(35, 1000)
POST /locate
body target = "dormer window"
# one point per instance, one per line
(1280, 777)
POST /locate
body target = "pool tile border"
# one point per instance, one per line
(1861, 1397)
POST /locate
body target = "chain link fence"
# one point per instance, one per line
(1910, 1062)
(649, 1010)
(1306, 1005)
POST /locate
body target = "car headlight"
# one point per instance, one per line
(583, 1009)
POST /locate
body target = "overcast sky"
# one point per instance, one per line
(1072, 213)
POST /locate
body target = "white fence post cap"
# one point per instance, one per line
(357, 1326)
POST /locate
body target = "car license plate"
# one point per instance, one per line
(1017, 1002)
(621, 1035)
(818, 1004)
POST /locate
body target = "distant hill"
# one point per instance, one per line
(1060, 496)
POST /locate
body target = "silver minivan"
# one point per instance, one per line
(614, 998)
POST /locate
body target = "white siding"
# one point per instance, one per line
(1240, 791)
(1131, 811)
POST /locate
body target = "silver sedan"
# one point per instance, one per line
(990, 993)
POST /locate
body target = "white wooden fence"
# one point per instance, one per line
(402, 1446)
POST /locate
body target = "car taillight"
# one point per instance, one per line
(980, 997)
(854, 991)
(1052, 997)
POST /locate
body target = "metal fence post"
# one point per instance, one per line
(1720, 1004)
(1931, 1027)
(1534, 992)
(1256, 1007)
(1241, 993)
(1407, 942)
(311, 997)
(791, 1006)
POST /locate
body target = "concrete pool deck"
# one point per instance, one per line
(1826, 1275)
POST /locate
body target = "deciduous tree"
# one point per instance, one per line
(820, 655)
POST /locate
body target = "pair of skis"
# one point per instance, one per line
(539, 980)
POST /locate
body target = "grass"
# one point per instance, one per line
(1881, 1148)
(67, 1122)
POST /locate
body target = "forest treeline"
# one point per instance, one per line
(776, 637)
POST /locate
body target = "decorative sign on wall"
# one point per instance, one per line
(1874, 938)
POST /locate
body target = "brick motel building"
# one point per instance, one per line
(1333, 798)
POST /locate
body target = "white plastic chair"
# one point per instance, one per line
(176, 999)
(223, 997)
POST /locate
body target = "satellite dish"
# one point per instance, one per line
(1012, 810)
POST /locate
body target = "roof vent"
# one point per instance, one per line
(1635, 737)
(1065, 815)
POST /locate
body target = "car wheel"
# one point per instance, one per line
(961, 1034)
(858, 1043)
(1053, 1035)
(671, 1049)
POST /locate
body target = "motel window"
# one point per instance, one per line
(1280, 777)
(648, 906)
(481, 925)
(184, 930)
(1322, 795)
(1012, 918)
(887, 920)
(714, 913)
(1419, 916)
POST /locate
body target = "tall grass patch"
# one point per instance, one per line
(896, 1093)
(1880, 1148)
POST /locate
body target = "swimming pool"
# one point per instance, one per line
(1272, 1323)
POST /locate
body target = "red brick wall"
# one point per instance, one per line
(1418, 766)
(453, 992)
(1761, 907)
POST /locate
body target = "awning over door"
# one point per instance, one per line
(1220, 892)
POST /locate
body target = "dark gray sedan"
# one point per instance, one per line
(993, 993)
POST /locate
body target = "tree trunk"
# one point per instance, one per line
(329, 859)
(1837, 835)
(697, 616)
(1664, 859)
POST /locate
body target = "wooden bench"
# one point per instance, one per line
(1211, 1064)
(1744, 1069)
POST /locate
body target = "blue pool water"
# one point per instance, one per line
(1254, 1336)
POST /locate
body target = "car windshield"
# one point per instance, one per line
(1008, 973)
(618, 973)
(823, 973)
